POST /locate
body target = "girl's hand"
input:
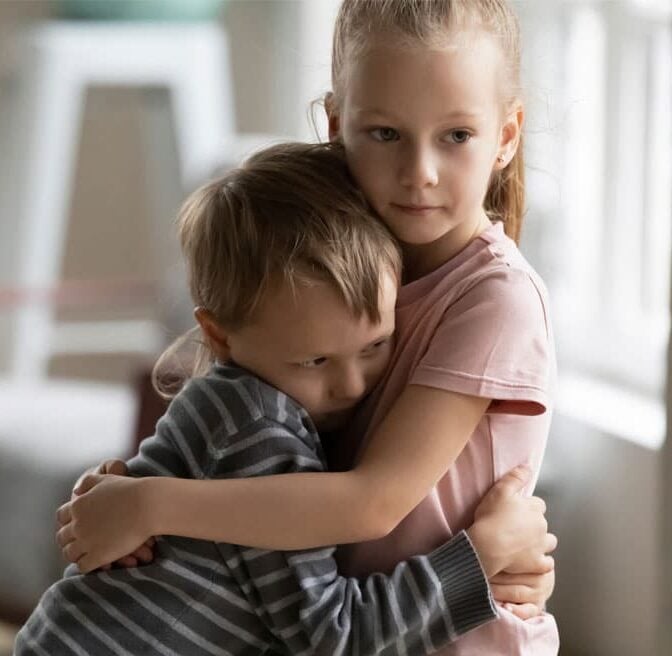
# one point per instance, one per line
(524, 595)
(510, 531)
(104, 522)
(117, 467)
(143, 554)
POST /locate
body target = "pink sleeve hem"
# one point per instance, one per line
(510, 398)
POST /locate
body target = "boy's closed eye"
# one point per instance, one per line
(371, 349)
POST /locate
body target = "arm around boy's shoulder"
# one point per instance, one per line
(300, 597)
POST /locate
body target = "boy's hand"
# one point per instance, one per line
(525, 595)
(510, 531)
(104, 522)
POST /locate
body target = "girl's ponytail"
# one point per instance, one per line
(505, 199)
(187, 357)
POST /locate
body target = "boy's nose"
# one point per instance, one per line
(349, 384)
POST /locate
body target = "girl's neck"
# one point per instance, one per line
(422, 259)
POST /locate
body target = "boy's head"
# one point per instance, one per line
(293, 276)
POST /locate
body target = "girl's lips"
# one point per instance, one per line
(417, 210)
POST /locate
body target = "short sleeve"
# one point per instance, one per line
(494, 342)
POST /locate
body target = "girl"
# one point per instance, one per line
(426, 102)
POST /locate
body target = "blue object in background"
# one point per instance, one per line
(144, 10)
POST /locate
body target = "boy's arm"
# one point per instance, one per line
(425, 603)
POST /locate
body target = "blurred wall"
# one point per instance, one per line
(605, 494)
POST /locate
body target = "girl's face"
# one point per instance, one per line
(423, 129)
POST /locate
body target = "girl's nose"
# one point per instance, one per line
(419, 169)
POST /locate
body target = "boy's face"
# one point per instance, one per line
(309, 345)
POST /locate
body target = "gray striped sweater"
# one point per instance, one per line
(202, 598)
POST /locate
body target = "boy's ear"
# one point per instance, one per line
(333, 118)
(214, 333)
(510, 134)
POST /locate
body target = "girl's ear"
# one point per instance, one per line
(333, 118)
(214, 333)
(510, 136)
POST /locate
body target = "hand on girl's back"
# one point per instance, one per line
(510, 532)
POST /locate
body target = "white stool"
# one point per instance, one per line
(64, 58)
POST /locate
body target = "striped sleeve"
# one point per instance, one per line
(424, 603)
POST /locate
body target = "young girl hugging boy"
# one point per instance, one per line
(288, 268)
(427, 104)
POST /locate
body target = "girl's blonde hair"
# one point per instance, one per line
(290, 215)
(431, 22)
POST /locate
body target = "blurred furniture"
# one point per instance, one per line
(49, 434)
(51, 430)
(63, 59)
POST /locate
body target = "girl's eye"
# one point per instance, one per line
(384, 134)
(459, 136)
(311, 364)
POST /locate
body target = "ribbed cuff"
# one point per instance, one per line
(465, 587)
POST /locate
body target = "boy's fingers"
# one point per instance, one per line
(538, 504)
(523, 611)
(551, 543)
(513, 593)
(513, 481)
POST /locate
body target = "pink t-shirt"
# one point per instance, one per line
(478, 325)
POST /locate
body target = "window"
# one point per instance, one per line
(601, 181)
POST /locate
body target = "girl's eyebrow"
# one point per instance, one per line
(386, 114)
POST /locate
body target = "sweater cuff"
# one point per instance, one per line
(465, 587)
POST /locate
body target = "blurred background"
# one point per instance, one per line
(111, 111)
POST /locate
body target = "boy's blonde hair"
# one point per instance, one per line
(291, 214)
(431, 22)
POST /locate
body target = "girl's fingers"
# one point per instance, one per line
(144, 554)
(72, 552)
(65, 535)
(128, 561)
(63, 515)
(85, 564)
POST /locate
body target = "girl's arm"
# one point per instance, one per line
(415, 445)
